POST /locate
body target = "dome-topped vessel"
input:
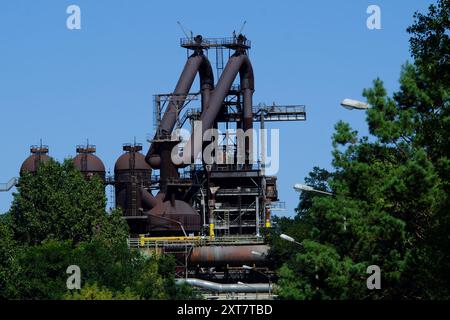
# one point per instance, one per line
(39, 155)
(88, 163)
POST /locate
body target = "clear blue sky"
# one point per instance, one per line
(65, 86)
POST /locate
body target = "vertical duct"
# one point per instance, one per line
(196, 63)
(239, 63)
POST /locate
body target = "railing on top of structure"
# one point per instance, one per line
(158, 242)
(228, 42)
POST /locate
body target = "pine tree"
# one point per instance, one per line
(391, 195)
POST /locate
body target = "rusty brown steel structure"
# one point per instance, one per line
(88, 163)
(239, 63)
(234, 256)
(172, 200)
(39, 155)
(197, 63)
(131, 175)
(222, 205)
(225, 200)
(167, 204)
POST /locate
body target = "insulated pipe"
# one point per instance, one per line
(248, 86)
(248, 112)
(197, 63)
(238, 63)
(219, 287)
(206, 82)
(235, 255)
(248, 124)
(148, 200)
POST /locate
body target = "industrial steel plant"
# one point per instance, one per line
(225, 192)
(211, 215)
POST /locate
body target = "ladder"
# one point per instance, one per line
(134, 196)
(219, 61)
(227, 223)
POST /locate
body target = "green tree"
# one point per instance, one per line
(114, 266)
(57, 202)
(318, 178)
(96, 292)
(58, 219)
(42, 271)
(391, 195)
(299, 227)
(157, 280)
(90, 292)
(108, 271)
(8, 263)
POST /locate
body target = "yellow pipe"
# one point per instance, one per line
(211, 230)
(143, 239)
(267, 217)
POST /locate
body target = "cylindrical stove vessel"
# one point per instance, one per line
(39, 155)
(234, 256)
(88, 163)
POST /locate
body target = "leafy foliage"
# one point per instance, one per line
(58, 219)
(8, 264)
(391, 196)
(42, 271)
(57, 203)
(95, 292)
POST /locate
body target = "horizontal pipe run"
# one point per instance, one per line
(219, 287)
(232, 255)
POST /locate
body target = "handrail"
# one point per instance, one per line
(149, 242)
(215, 42)
(280, 109)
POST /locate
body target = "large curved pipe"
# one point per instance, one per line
(238, 63)
(219, 287)
(148, 200)
(196, 63)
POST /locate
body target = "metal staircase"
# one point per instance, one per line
(9, 185)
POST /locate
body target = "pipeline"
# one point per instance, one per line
(196, 63)
(233, 255)
(148, 200)
(219, 287)
(238, 63)
(159, 155)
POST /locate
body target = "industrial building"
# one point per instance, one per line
(211, 215)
